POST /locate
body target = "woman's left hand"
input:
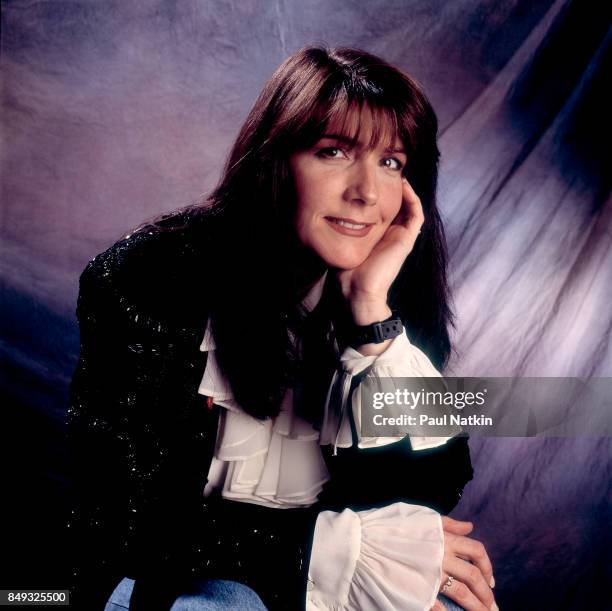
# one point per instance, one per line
(466, 559)
(366, 286)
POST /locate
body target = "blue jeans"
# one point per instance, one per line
(450, 605)
(213, 595)
(210, 595)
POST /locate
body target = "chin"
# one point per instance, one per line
(344, 261)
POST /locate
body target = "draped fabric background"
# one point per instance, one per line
(115, 111)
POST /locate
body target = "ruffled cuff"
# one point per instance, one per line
(401, 359)
(388, 558)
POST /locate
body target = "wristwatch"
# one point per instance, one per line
(377, 332)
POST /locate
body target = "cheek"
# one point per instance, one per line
(392, 205)
(310, 201)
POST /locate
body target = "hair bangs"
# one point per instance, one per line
(342, 114)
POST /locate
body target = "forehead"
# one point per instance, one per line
(365, 126)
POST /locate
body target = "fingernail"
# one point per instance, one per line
(492, 582)
(494, 607)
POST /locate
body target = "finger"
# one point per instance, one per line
(474, 551)
(457, 527)
(463, 596)
(412, 215)
(438, 606)
(472, 576)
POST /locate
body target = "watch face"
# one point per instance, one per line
(392, 328)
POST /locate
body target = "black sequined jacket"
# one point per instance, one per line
(142, 440)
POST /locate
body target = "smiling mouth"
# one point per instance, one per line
(349, 224)
(349, 227)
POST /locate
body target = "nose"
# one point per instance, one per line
(362, 187)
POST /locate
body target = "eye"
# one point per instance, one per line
(393, 163)
(331, 152)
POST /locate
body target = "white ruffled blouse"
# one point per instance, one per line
(388, 558)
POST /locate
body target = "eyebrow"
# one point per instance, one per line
(353, 142)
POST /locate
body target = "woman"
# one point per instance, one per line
(237, 458)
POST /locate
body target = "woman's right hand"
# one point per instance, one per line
(468, 562)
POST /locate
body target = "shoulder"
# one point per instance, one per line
(155, 274)
(178, 237)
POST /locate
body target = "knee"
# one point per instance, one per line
(218, 594)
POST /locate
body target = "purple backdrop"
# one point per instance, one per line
(116, 111)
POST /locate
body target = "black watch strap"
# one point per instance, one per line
(377, 332)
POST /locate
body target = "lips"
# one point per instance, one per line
(348, 226)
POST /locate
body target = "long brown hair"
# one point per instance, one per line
(254, 301)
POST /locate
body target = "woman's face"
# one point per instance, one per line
(347, 194)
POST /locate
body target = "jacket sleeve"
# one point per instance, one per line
(129, 516)
(372, 477)
(387, 552)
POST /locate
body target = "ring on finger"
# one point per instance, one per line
(447, 584)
